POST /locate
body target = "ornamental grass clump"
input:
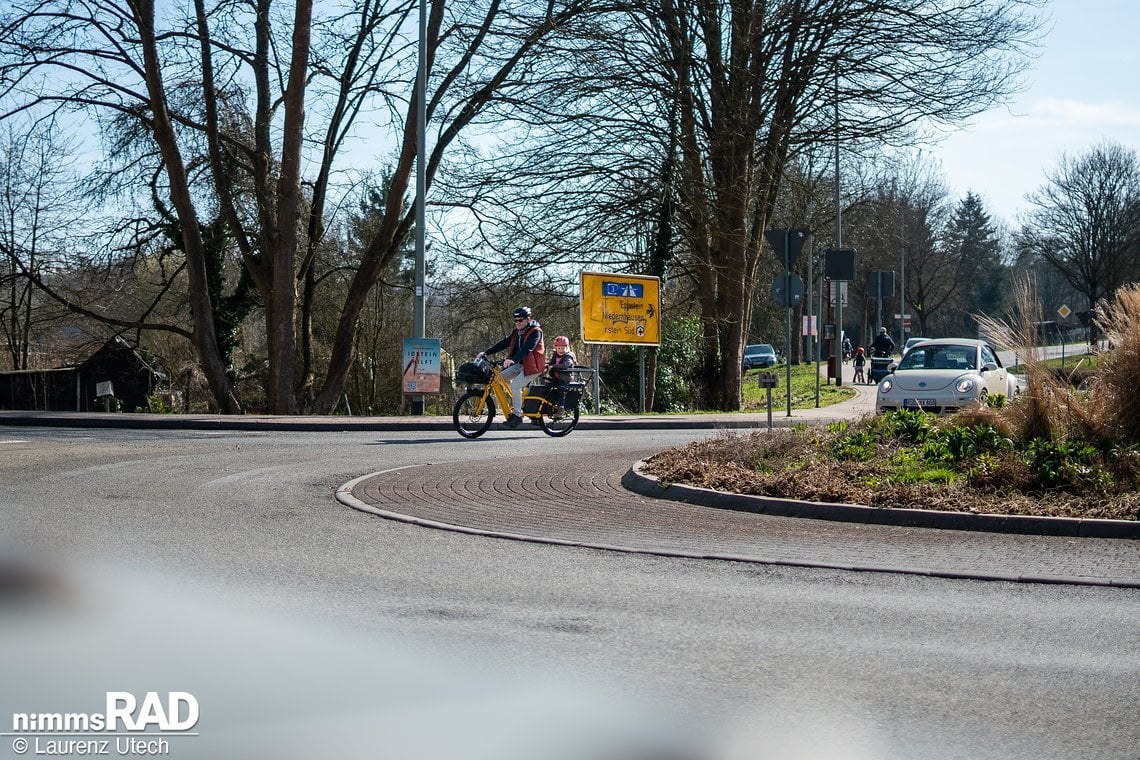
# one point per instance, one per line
(1105, 410)
(1038, 413)
(1115, 391)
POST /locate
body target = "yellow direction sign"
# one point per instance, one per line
(621, 309)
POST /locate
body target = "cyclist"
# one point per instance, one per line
(562, 360)
(882, 345)
(526, 358)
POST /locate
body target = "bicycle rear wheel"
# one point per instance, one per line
(559, 427)
(473, 414)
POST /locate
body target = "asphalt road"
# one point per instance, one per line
(220, 564)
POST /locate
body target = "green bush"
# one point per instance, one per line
(909, 425)
(908, 467)
(858, 446)
(678, 360)
(970, 442)
(1066, 464)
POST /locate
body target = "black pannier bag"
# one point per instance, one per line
(476, 372)
(550, 393)
(531, 404)
(574, 395)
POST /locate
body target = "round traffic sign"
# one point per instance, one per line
(788, 290)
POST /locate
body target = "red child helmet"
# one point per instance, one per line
(561, 340)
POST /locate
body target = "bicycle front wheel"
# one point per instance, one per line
(559, 427)
(473, 414)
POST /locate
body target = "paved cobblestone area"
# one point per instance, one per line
(580, 500)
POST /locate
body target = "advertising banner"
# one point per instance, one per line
(421, 365)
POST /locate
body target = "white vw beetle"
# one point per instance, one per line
(944, 375)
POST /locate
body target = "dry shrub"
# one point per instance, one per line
(1107, 406)
(1043, 411)
(732, 456)
(1000, 419)
(1114, 390)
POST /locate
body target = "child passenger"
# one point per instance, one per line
(558, 364)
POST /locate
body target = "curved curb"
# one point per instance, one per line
(637, 481)
(345, 496)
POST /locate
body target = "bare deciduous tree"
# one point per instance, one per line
(1084, 221)
(751, 85)
(36, 218)
(756, 81)
(240, 101)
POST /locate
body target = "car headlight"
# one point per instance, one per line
(886, 385)
(965, 385)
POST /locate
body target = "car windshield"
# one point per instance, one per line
(940, 356)
(759, 348)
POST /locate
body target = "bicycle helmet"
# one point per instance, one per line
(859, 350)
(522, 312)
(561, 340)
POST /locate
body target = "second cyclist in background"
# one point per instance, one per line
(882, 345)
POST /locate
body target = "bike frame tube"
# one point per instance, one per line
(503, 396)
(502, 390)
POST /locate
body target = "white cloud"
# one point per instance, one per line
(1067, 112)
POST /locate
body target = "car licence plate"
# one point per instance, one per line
(915, 403)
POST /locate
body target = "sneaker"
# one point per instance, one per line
(559, 413)
(513, 421)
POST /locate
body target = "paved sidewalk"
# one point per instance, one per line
(863, 403)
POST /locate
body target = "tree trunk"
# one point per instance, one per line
(201, 307)
(281, 307)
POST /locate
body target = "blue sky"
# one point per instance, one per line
(1082, 89)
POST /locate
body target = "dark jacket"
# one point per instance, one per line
(524, 346)
(882, 346)
(558, 362)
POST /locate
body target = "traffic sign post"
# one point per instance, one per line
(839, 265)
(1064, 311)
(788, 289)
(768, 381)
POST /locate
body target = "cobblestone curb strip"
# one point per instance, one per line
(605, 514)
(638, 481)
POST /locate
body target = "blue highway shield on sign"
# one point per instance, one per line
(623, 289)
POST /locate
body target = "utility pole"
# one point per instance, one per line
(419, 317)
(837, 343)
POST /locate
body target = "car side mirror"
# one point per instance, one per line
(989, 367)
